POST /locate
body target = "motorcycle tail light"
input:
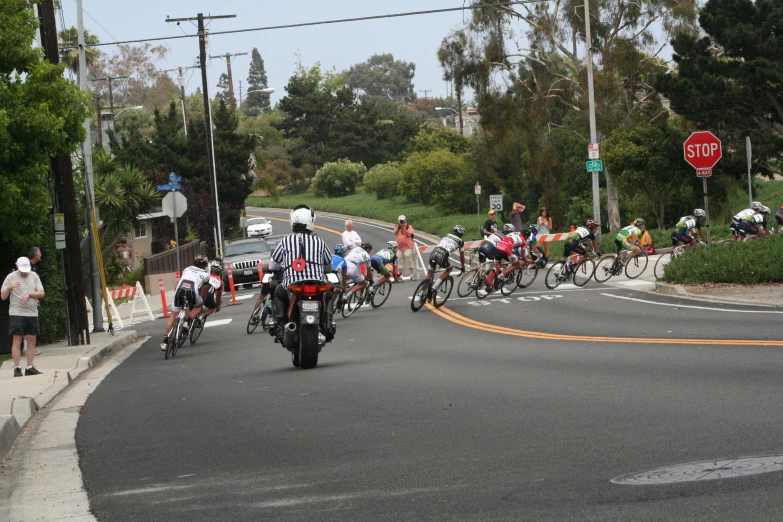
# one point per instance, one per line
(310, 290)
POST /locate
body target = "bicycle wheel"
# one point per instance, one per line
(604, 270)
(267, 319)
(466, 282)
(255, 319)
(510, 284)
(420, 295)
(660, 265)
(526, 275)
(172, 342)
(198, 327)
(353, 303)
(556, 275)
(636, 266)
(483, 289)
(584, 272)
(381, 295)
(443, 291)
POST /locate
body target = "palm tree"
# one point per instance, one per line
(70, 38)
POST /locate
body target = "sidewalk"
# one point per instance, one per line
(757, 295)
(22, 397)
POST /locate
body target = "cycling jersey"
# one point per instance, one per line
(688, 222)
(487, 248)
(188, 288)
(215, 285)
(440, 257)
(509, 248)
(627, 237)
(354, 260)
(339, 263)
(755, 219)
(745, 213)
(382, 259)
(580, 235)
(451, 243)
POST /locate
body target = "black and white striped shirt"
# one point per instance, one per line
(308, 247)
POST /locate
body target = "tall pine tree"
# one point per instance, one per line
(222, 87)
(255, 102)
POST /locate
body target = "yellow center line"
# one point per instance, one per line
(456, 318)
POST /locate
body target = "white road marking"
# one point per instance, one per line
(244, 296)
(217, 322)
(691, 306)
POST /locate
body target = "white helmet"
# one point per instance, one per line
(392, 245)
(699, 213)
(756, 205)
(302, 218)
(764, 209)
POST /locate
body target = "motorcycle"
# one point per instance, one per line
(308, 316)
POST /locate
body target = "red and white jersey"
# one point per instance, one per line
(215, 281)
(511, 242)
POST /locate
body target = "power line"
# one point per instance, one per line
(327, 22)
(99, 25)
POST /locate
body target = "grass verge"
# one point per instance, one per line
(747, 263)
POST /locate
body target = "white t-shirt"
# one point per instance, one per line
(30, 283)
(351, 239)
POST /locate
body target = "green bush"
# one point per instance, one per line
(439, 178)
(383, 180)
(338, 179)
(436, 137)
(747, 263)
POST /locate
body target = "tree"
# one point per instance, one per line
(338, 179)
(222, 87)
(256, 102)
(730, 80)
(453, 58)
(70, 38)
(439, 178)
(383, 180)
(435, 137)
(381, 76)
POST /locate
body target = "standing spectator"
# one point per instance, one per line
(351, 238)
(125, 254)
(403, 232)
(490, 225)
(25, 290)
(516, 216)
(544, 223)
(35, 257)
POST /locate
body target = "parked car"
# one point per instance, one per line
(258, 227)
(244, 255)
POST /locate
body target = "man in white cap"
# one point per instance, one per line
(25, 289)
(403, 233)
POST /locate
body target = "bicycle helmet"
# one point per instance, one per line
(533, 229)
(392, 245)
(756, 205)
(699, 213)
(459, 230)
(765, 209)
(216, 268)
(201, 262)
(592, 224)
(302, 218)
(366, 246)
(339, 250)
(508, 228)
(525, 232)
(639, 222)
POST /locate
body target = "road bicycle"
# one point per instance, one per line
(614, 265)
(471, 279)
(350, 303)
(494, 280)
(567, 270)
(430, 292)
(262, 315)
(665, 259)
(197, 326)
(177, 336)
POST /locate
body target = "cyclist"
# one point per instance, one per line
(628, 238)
(755, 224)
(212, 293)
(188, 291)
(339, 264)
(381, 260)
(487, 247)
(579, 237)
(440, 256)
(734, 226)
(779, 217)
(534, 253)
(354, 261)
(693, 222)
(511, 249)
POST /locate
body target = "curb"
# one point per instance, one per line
(669, 289)
(25, 408)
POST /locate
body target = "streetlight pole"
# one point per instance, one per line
(591, 108)
(111, 94)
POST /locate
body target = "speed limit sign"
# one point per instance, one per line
(496, 202)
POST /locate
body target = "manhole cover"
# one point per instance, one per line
(705, 470)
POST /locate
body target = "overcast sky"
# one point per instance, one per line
(413, 39)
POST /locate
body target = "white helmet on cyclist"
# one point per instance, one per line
(508, 228)
(756, 205)
(764, 210)
(302, 218)
(699, 213)
(458, 230)
(392, 245)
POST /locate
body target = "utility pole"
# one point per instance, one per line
(232, 100)
(426, 92)
(591, 107)
(181, 80)
(240, 94)
(97, 313)
(64, 200)
(111, 94)
(202, 43)
(99, 117)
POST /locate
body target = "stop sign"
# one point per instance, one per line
(702, 150)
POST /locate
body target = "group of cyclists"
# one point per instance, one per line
(201, 285)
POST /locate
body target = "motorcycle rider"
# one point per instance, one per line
(303, 257)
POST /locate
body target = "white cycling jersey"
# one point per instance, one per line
(495, 238)
(451, 243)
(195, 276)
(745, 213)
(358, 256)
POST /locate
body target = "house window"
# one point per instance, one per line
(140, 231)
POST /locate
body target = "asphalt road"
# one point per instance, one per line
(478, 412)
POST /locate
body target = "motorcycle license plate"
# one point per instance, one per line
(309, 306)
(248, 272)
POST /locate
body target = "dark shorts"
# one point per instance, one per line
(20, 325)
(681, 236)
(734, 226)
(439, 258)
(574, 247)
(748, 229)
(210, 301)
(486, 251)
